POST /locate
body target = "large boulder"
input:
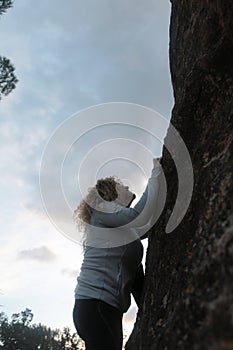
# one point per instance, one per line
(188, 294)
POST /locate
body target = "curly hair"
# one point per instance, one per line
(104, 190)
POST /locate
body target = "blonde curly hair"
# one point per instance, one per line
(104, 190)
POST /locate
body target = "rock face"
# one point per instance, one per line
(188, 294)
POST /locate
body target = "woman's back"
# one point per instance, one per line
(109, 273)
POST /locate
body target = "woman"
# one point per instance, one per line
(110, 272)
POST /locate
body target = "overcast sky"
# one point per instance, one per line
(67, 58)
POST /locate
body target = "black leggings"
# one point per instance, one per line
(98, 324)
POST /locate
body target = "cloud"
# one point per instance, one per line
(86, 53)
(40, 254)
(70, 273)
(71, 57)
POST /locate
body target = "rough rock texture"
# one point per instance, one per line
(188, 294)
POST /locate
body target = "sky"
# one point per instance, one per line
(69, 58)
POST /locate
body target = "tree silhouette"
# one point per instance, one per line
(20, 334)
(4, 5)
(8, 78)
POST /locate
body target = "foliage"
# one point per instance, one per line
(8, 78)
(4, 5)
(20, 334)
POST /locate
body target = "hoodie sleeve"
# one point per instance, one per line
(144, 206)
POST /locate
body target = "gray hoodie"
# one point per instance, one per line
(114, 250)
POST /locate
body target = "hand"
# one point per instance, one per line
(157, 162)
